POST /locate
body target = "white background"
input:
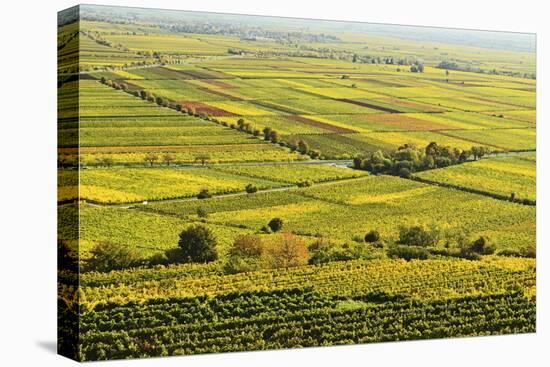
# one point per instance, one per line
(28, 182)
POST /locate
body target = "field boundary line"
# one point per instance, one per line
(495, 196)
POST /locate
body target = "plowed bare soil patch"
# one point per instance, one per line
(322, 125)
(207, 109)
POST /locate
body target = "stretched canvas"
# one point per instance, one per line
(232, 183)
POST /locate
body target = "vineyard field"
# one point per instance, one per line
(503, 176)
(124, 185)
(294, 174)
(296, 319)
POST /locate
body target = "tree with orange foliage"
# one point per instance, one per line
(245, 254)
(286, 250)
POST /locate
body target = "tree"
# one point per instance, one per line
(105, 161)
(443, 162)
(304, 183)
(276, 224)
(151, 158)
(108, 161)
(432, 149)
(303, 147)
(245, 254)
(198, 244)
(204, 194)
(464, 155)
(202, 158)
(67, 257)
(107, 256)
(475, 249)
(408, 252)
(315, 154)
(414, 69)
(179, 107)
(201, 212)
(143, 94)
(251, 189)
(372, 236)
(287, 250)
(159, 100)
(449, 65)
(274, 136)
(404, 172)
(417, 236)
(248, 127)
(482, 246)
(479, 152)
(168, 158)
(241, 124)
(447, 75)
(267, 133)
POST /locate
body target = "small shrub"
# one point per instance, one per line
(251, 189)
(529, 251)
(510, 253)
(204, 194)
(265, 229)
(304, 183)
(159, 259)
(482, 246)
(372, 236)
(107, 256)
(276, 224)
(417, 236)
(408, 252)
(201, 212)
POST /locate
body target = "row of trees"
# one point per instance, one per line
(152, 158)
(408, 159)
(273, 136)
(269, 134)
(472, 68)
(420, 242)
(251, 252)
